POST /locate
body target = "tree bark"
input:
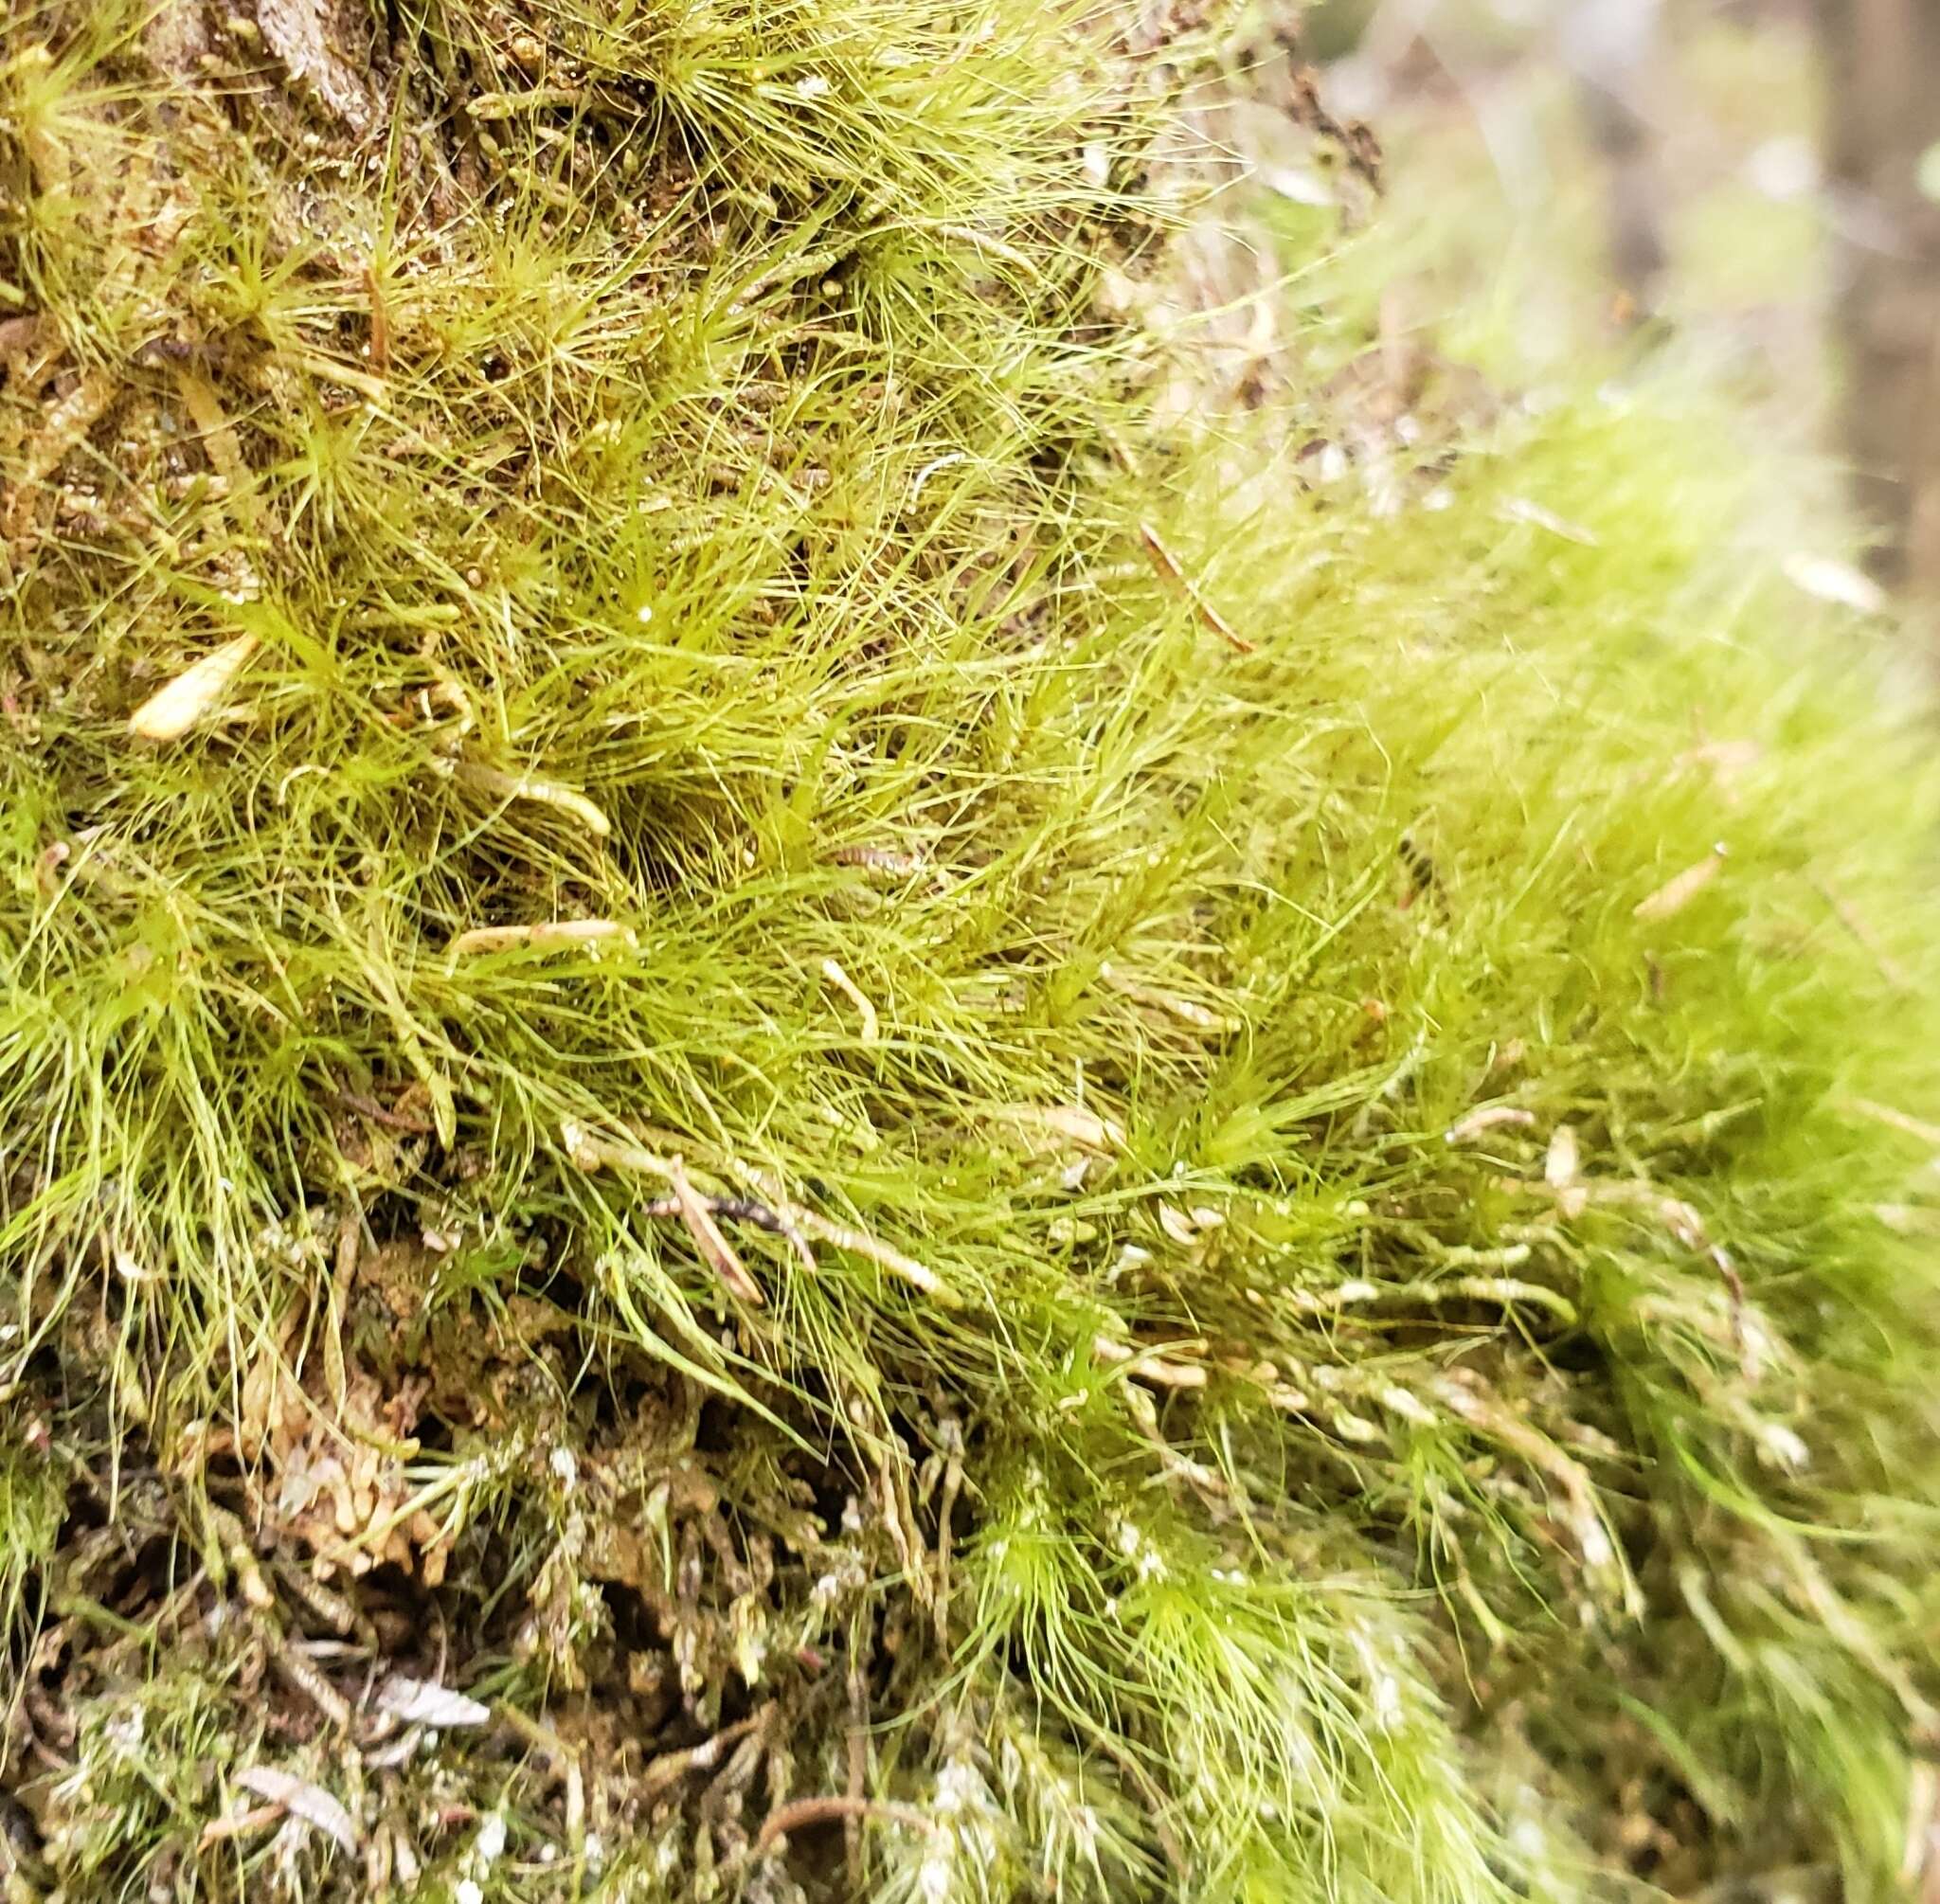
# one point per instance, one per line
(1882, 63)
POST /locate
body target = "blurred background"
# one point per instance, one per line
(1751, 182)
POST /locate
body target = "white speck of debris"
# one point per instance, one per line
(1783, 169)
(1097, 165)
(1595, 1543)
(1387, 1701)
(816, 86)
(931, 469)
(490, 1841)
(1410, 1408)
(644, 613)
(1298, 184)
(468, 1891)
(565, 1468)
(1834, 582)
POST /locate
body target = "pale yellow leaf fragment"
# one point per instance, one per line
(1675, 894)
(872, 1028)
(1059, 1124)
(171, 711)
(545, 792)
(1485, 1117)
(546, 935)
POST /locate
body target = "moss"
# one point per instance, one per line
(1217, 1193)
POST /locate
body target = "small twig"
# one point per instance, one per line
(538, 1736)
(1168, 566)
(858, 1757)
(802, 1811)
(860, 1242)
(365, 1107)
(349, 1241)
(741, 1210)
(380, 322)
(591, 1152)
(714, 1248)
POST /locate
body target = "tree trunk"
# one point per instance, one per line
(1882, 62)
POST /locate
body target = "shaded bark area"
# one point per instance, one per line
(1882, 66)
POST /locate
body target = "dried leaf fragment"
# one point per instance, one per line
(714, 1248)
(1675, 894)
(871, 1026)
(424, 1702)
(546, 792)
(301, 1799)
(548, 933)
(171, 711)
(1484, 1118)
(1067, 1123)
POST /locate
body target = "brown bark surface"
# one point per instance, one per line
(1882, 65)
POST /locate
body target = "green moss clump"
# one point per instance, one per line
(980, 1147)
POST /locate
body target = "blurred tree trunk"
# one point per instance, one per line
(1611, 45)
(1882, 63)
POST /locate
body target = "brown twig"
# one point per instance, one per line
(741, 1210)
(1168, 566)
(802, 1811)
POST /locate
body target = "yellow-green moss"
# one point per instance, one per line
(1339, 1227)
